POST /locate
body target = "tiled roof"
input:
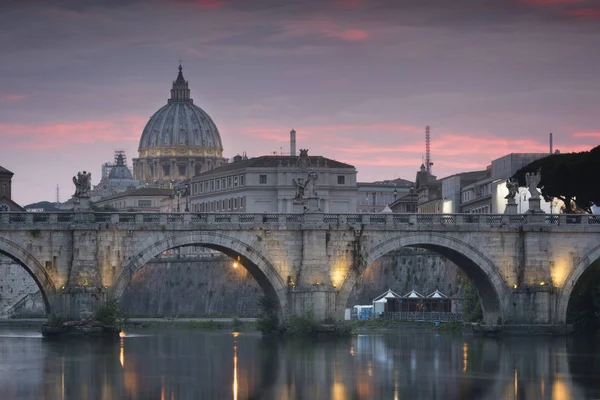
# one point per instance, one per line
(146, 191)
(5, 171)
(275, 161)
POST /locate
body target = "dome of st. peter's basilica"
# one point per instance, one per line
(179, 141)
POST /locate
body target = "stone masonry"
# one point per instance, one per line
(524, 266)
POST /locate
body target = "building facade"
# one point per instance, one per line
(6, 202)
(269, 184)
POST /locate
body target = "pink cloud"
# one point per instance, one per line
(203, 3)
(550, 3)
(322, 27)
(587, 134)
(591, 13)
(53, 135)
(352, 34)
(349, 3)
(11, 97)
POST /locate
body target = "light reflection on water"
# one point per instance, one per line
(191, 364)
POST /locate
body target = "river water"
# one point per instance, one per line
(193, 364)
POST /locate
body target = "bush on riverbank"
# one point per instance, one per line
(268, 320)
(110, 314)
(396, 324)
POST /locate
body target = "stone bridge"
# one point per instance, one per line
(525, 267)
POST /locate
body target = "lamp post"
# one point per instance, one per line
(187, 193)
(178, 194)
(395, 194)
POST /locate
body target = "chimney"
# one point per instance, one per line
(292, 142)
(550, 142)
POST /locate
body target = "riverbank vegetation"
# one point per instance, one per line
(471, 307)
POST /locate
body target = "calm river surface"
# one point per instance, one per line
(192, 364)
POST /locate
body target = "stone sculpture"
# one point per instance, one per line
(513, 188)
(533, 180)
(83, 184)
(305, 188)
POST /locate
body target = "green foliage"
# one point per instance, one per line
(54, 321)
(302, 324)
(569, 177)
(44, 205)
(205, 325)
(237, 325)
(268, 320)
(110, 314)
(471, 309)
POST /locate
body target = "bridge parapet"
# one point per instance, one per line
(20, 220)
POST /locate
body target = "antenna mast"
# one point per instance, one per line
(428, 162)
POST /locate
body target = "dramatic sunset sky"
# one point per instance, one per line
(357, 79)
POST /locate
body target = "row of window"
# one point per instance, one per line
(480, 210)
(218, 184)
(478, 191)
(235, 203)
(235, 181)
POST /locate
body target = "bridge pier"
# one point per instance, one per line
(71, 301)
(318, 299)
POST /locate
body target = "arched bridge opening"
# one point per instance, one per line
(34, 268)
(478, 269)
(242, 255)
(579, 299)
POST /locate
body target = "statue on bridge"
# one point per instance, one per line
(305, 188)
(83, 184)
(533, 180)
(513, 188)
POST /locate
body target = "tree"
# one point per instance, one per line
(570, 177)
(471, 309)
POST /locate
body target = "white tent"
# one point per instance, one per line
(413, 295)
(437, 295)
(380, 301)
(386, 210)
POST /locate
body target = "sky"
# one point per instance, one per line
(357, 79)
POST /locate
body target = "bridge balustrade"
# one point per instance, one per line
(14, 218)
(377, 219)
(331, 218)
(102, 217)
(175, 218)
(65, 217)
(151, 218)
(246, 218)
(354, 218)
(270, 218)
(223, 218)
(401, 218)
(199, 218)
(41, 217)
(294, 218)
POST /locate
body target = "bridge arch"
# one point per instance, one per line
(33, 267)
(480, 270)
(261, 269)
(573, 278)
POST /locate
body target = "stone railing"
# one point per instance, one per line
(164, 219)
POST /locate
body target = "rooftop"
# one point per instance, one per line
(278, 161)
